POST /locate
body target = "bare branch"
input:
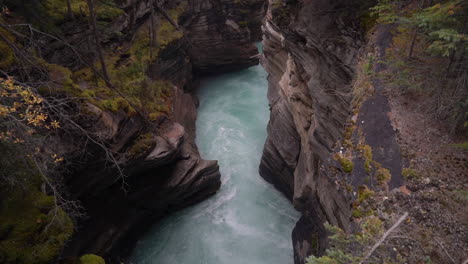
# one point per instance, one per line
(445, 250)
(385, 235)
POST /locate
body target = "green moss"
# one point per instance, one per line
(142, 146)
(363, 194)
(360, 205)
(410, 173)
(243, 24)
(91, 259)
(177, 11)
(61, 78)
(358, 213)
(105, 10)
(349, 132)
(7, 57)
(31, 231)
(115, 104)
(346, 164)
(373, 226)
(167, 33)
(383, 175)
(368, 20)
(368, 66)
(464, 145)
(347, 144)
(366, 152)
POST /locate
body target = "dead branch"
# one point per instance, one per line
(167, 16)
(385, 235)
(445, 250)
(78, 55)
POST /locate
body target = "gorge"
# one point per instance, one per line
(247, 221)
(145, 131)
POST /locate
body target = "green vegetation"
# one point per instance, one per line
(428, 54)
(366, 152)
(362, 205)
(7, 57)
(32, 228)
(106, 10)
(346, 164)
(362, 86)
(91, 259)
(410, 173)
(127, 70)
(350, 249)
(463, 146)
(49, 15)
(142, 146)
(440, 24)
(383, 176)
(35, 220)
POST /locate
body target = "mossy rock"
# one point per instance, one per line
(346, 165)
(91, 259)
(142, 146)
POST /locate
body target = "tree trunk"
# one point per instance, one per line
(92, 21)
(413, 42)
(69, 10)
(152, 33)
(449, 66)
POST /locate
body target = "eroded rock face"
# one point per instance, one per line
(169, 174)
(309, 54)
(158, 180)
(220, 34)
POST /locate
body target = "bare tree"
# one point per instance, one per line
(69, 10)
(92, 21)
(152, 33)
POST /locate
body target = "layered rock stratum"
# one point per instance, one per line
(311, 51)
(162, 170)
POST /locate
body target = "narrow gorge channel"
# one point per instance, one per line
(247, 221)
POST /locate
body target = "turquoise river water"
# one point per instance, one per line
(247, 221)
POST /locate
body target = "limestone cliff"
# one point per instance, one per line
(310, 52)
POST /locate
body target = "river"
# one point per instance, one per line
(247, 221)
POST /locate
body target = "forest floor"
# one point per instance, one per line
(434, 190)
(436, 181)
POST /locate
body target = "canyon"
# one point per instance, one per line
(145, 193)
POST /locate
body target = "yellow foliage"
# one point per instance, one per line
(20, 104)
